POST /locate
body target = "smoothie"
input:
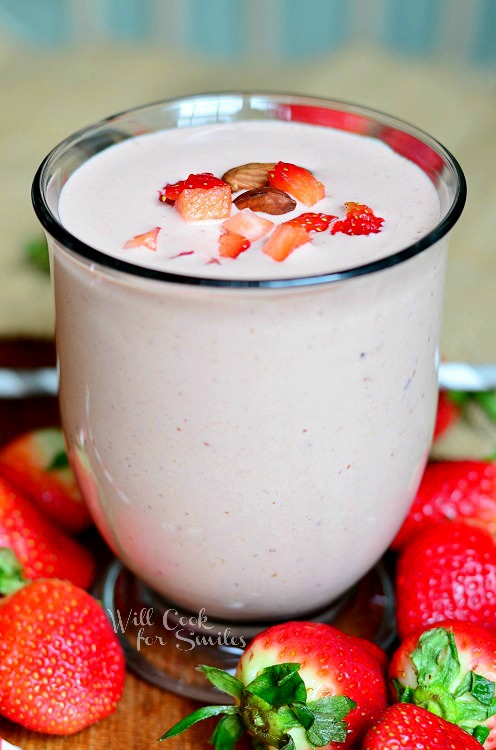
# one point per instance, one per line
(114, 197)
(249, 450)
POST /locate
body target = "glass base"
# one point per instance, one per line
(164, 644)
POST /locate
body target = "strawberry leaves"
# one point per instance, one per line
(223, 681)
(328, 719)
(11, 572)
(201, 713)
(269, 707)
(467, 699)
(279, 685)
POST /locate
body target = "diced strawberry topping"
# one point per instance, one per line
(359, 219)
(199, 204)
(284, 239)
(231, 245)
(148, 240)
(311, 222)
(205, 180)
(249, 225)
(298, 182)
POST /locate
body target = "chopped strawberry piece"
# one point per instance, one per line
(298, 182)
(284, 240)
(231, 245)
(359, 219)
(198, 204)
(204, 180)
(148, 240)
(249, 225)
(311, 222)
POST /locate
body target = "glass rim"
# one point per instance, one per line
(91, 255)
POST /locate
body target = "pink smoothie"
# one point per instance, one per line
(252, 451)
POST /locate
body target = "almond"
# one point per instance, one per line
(267, 200)
(248, 176)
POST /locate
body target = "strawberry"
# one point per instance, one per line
(248, 224)
(448, 413)
(451, 671)
(298, 182)
(231, 245)
(147, 240)
(298, 685)
(452, 491)
(448, 572)
(61, 665)
(43, 549)
(199, 204)
(204, 180)
(283, 240)
(359, 219)
(311, 222)
(408, 727)
(36, 464)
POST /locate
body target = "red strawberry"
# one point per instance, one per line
(43, 549)
(451, 671)
(408, 727)
(249, 225)
(204, 180)
(283, 240)
(198, 204)
(231, 245)
(448, 413)
(359, 219)
(148, 240)
(36, 464)
(311, 222)
(61, 665)
(448, 572)
(452, 491)
(298, 182)
(298, 685)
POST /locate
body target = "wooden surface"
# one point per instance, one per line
(145, 712)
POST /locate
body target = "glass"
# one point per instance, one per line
(249, 448)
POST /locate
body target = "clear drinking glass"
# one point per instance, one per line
(248, 447)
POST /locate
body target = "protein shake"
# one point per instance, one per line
(253, 444)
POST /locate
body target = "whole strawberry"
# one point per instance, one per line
(61, 666)
(451, 671)
(298, 685)
(36, 463)
(452, 491)
(408, 727)
(42, 548)
(448, 572)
